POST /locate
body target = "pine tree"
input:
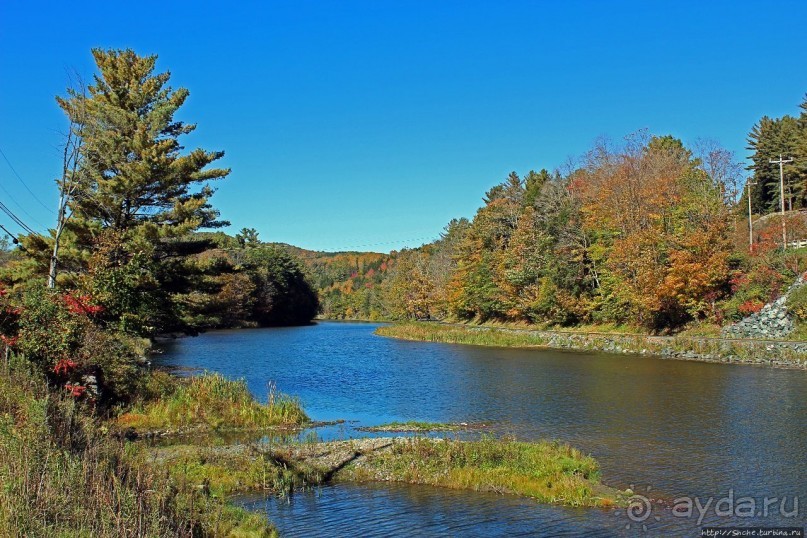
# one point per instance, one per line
(800, 148)
(767, 140)
(133, 171)
(139, 195)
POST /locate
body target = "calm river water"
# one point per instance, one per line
(667, 429)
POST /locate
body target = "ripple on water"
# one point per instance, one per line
(411, 510)
(682, 428)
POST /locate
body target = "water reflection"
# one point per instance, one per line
(404, 510)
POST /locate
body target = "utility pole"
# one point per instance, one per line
(781, 162)
(748, 184)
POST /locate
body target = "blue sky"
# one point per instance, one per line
(369, 125)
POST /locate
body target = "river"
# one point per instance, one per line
(667, 429)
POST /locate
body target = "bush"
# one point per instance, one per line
(57, 332)
(797, 303)
(48, 331)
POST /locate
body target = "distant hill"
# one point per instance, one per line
(348, 283)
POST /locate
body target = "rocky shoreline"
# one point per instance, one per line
(773, 353)
(772, 321)
(759, 352)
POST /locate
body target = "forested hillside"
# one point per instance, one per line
(649, 234)
(348, 283)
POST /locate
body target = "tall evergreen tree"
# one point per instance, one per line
(139, 195)
(133, 171)
(767, 140)
(800, 149)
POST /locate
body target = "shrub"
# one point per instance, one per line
(57, 332)
(751, 306)
(797, 303)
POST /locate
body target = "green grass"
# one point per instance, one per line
(210, 403)
(451, 334)
(608, 328)
(697, 330)
(226, 470)
(546, 471)
(700, 343)
(417, 426)
(62, 475)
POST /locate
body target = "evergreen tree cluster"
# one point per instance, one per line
(769, 139)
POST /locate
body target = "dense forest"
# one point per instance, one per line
(648, 233)
(348, 283)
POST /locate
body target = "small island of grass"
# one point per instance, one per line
(546, 471)
(211, 403)
(549, 472)
(414, 426)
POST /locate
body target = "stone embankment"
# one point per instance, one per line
(758, 351)
(773, 321)
(778, 353)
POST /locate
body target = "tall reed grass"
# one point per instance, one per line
(62, 475)
(212, 402)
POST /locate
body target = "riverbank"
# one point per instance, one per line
(773, 353)
(68, 471)
(64, 473)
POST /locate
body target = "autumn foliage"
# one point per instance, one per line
(643, 234)
(662, 231)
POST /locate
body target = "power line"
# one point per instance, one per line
(13, 239)
(35, 197)
(387, 243)
(16, 219)
(9, 233)
(10, 197)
